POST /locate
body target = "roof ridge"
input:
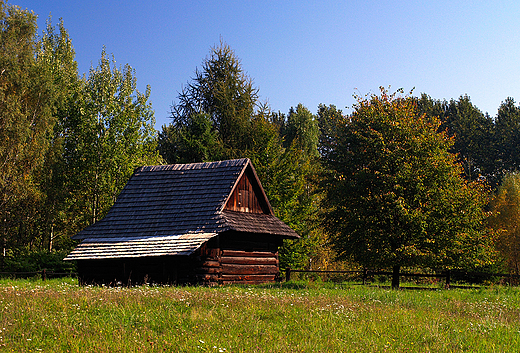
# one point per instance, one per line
(195, 166)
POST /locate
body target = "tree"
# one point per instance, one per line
(107, 133)
(26, 119)
(505, 220)
(507, 126)
(328, 118)
(67, 145)
(222, 92)
(472, 132)
(394, 195)
(191, 142)
(218, 117)
(302, 130)
(57, 54)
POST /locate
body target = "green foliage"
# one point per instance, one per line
(38, 261)
(394, 194)
(26, 120)
(329, 119)
(108, 133)
(68, 144)
(472, 131)
(301, 130)
(52, 219)
(290, 189)
(222, 93)
(505, 220)
(195, 141)
(507, 137)
(286, 162)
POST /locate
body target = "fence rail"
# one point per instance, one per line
(448, 275)
(43, 273)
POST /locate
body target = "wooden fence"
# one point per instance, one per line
(44, 274)
(448, 275)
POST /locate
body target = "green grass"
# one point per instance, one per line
(60, 316)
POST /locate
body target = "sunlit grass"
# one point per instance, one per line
(61, 316)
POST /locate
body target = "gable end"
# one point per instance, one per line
(248, 195)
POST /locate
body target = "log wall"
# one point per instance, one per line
(229, 258)
(249, 258)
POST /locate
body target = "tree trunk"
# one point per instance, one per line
(395, 277)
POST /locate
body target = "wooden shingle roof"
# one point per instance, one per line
(109, 248)
(169, 201)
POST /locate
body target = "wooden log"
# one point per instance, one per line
(250, 260)
(247, 278)
(208, 277)
(233, 269)
(213, 253)
(209, 270)
(225, 283)
(210, 263)
(250, 245)
(239, 253)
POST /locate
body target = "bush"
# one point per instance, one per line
(38, 261)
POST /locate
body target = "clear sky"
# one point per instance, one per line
(307, 52)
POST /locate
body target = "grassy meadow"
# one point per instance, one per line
(60, 316)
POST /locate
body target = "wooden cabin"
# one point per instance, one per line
(206, 223)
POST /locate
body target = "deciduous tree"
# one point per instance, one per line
(394, 193)
(505, 220)
(26, 115)
(57, 54)
(108, 133)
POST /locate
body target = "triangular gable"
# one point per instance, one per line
(247, 195)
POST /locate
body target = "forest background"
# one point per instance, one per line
(70, 141)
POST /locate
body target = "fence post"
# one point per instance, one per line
(365, 275)
(447, 286)
(44, 274)
(287, 274)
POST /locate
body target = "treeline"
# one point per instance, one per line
(68, 142)
(402, 181)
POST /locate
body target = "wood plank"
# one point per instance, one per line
(229, 269)
(249, 260)
(245, 198)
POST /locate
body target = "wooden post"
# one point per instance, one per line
(447, 285)
(365, 275)
(395, 276)
(287, 274)
(44, 274)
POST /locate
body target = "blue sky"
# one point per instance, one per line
(307, 52)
